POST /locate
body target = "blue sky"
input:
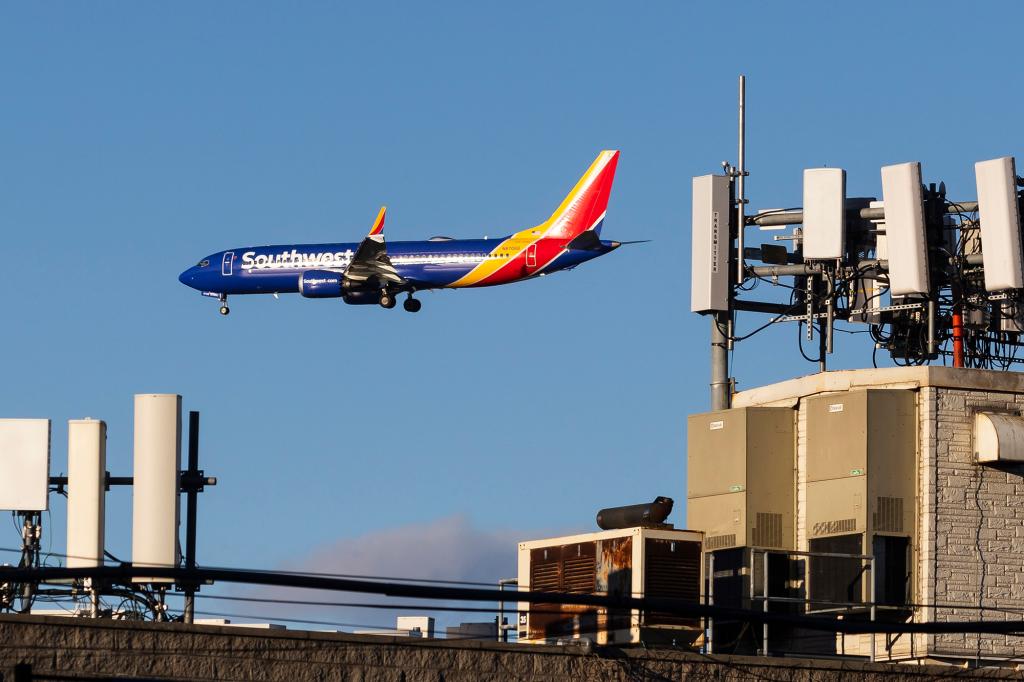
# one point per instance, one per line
(137, 137)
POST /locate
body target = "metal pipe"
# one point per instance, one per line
(797, 217)
(958, 337)
(191, 497)
(764, 626)
(830, 316)
(810, 308)
(933, 345)
(720, 397)
(783, 270)
(742, 171)
(873, 576)
(710, 621)
(502, 626)
(763, 307)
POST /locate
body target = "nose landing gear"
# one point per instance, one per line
(224, 309)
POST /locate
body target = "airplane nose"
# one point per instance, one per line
(187, 277)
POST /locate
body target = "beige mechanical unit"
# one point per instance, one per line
(740, 477)
(861, 459)
(653, 562)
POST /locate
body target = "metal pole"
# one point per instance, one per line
(830, 312)
(873, 608)
(501, 612)
(503, 628)
(710, 626)
(720, 398)
(822, 347)
(933, 345)
(764, 626)
(741, 172)
(191, 497)
(958, 336)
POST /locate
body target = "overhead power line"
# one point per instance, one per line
(677, 607)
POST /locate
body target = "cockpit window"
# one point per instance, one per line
(203, 263)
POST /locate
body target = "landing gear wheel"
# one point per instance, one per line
(412, 305)
(386, 300)
(224, 310)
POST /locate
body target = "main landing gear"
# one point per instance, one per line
(224, 309)
(387, 300)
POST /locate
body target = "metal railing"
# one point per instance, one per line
(761, 555)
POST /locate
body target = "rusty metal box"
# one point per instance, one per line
(628, 561)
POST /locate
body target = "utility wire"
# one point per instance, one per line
(677, 607)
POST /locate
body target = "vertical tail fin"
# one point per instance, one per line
(378, 223)
(586, 204)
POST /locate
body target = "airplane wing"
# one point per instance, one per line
(371, 258)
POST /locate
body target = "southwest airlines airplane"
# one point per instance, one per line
(374, 272)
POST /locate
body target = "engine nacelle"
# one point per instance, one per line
(320, 284)
(362, 297)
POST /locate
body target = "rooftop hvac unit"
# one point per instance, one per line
(156, 486)
(861, 491)
(711, 244)
(740, 477)
(824, 213)
(634, 562)
(999, 214)
(24, 464)
(87, 484)
(906, 240)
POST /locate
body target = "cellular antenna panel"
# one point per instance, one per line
(824, 213)
(905, 236)
(24, 464)
(1000, 223)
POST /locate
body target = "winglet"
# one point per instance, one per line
(378, 224)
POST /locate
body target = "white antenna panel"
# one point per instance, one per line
(156, 484)
(1000, 223)
(24, 464)
(87, 474)
(709, 255)
(905, 236)
(824, 213)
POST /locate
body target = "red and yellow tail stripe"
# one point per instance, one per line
(527, 252)
(378, 224)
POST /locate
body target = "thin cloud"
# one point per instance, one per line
(450, 548)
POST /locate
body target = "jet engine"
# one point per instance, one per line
(320, 284)
(362, 297)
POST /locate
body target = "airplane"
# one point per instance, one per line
(376, 272)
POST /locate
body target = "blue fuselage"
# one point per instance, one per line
(423, 265)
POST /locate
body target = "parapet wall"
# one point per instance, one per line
(42, 648)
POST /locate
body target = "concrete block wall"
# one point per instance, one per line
(41, 648)
(977, 547)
